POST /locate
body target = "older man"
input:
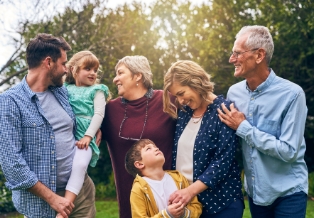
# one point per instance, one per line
(270, 120)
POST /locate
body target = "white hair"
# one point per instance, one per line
(138, 64)
(258, 37)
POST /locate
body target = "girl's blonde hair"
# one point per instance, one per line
(186, 73)
(82, 60)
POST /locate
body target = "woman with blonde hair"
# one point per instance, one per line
(204, 147)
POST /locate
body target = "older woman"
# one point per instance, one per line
(204, 147)
(137, 113)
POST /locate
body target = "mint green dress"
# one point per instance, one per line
(82, 101)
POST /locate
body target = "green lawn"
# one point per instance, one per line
(109, 209)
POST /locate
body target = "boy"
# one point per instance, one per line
(153, 186)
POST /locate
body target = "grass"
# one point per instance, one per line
(109, 209)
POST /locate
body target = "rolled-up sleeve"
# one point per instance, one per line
(15, 169)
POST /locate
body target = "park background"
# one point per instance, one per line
(164, 31)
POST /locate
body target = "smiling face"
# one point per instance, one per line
(125, 81)
(58, 70)
(152, 156)
(245, 63)
(186, 96)
(86, 77)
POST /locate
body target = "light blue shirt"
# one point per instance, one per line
(272, 138)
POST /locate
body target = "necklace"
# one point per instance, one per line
(198, 115)
(149, 94)
(125, 117)
(197, 119)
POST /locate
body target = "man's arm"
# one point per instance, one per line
(16, 170)
(18, 174)
(58, 203)
(287, 145)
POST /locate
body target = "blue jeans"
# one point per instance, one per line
(234, 210)
(291, 206)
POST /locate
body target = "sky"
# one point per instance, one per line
(22, 9)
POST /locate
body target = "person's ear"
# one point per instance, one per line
(47, 62)
(261, 55)
(139, 165)
(138, 77)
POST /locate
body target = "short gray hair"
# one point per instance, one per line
(138, 64)
(259, 37)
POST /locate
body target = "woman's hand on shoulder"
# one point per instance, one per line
(83, 143)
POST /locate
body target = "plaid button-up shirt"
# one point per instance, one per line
(27, 146)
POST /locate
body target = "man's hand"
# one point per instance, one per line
(176, 209)
(182, 195)
(84, 142)
(232, 118)
(98, 137)
(62, 205)
(56, 202)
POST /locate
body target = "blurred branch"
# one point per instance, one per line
(13, 75)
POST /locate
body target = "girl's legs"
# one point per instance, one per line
(81, 160)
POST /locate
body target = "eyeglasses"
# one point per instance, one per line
(124, 119)
(236, 54)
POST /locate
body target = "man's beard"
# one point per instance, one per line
(56, 79)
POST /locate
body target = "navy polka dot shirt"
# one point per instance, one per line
(213, 158)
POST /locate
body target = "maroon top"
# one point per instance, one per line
(159, 128)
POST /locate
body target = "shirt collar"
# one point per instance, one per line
(264, 85)
(149, 94)
(28, 90)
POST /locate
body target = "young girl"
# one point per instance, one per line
(88, 101)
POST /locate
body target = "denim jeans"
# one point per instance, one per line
(290, 206)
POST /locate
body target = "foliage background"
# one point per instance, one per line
(169, 30)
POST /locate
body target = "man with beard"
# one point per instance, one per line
(37, 128)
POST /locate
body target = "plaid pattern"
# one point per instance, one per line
(27, 146)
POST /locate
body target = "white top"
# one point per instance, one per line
(99, 113)
(162, 190)
(186, 143)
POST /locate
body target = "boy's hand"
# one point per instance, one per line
(84, 142)
(176, 209)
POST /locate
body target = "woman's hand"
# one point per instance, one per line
(185, 195)
(182, 195)
(84, 142)
(176, 209)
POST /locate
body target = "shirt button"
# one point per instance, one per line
(53, 182)
(252, 177)
(252, 98)
(34, 124)
(53, 167)
(250, 114)
(52, 152)
(51, 137)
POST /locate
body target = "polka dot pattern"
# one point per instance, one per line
(213, 158)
